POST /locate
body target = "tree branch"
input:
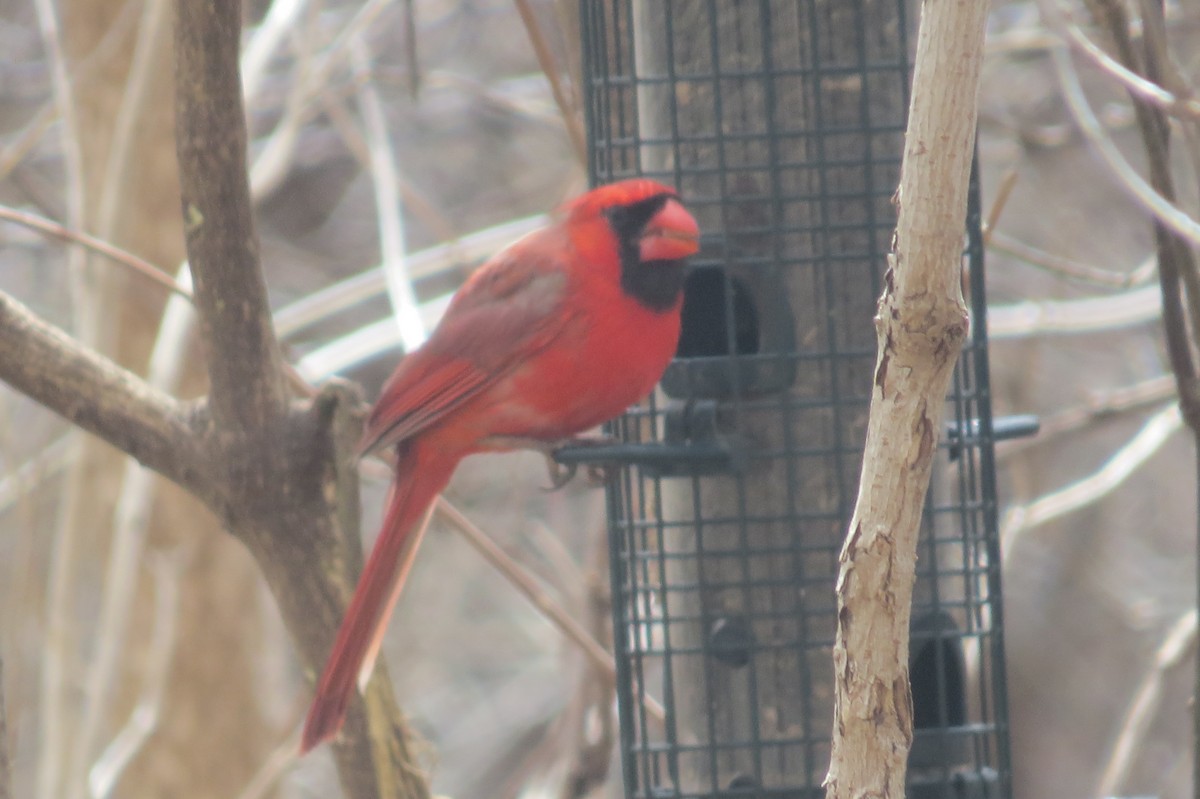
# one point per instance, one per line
(244, 363)
(280, 476)
(921, 324)
(291, 491)
(1179, 277)
(91, 391)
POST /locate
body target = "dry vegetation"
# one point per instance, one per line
(142, 653)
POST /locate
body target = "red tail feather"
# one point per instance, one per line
(421, 473)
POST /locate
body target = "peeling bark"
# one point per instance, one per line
(921, 325)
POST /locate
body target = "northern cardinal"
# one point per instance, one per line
(559, 332)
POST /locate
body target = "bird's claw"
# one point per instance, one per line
(601, 474)
(560, 473)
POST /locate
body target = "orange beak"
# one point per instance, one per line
(670, 234)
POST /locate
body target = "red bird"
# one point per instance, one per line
(559, 332)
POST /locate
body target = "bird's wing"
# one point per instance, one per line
(511, 308)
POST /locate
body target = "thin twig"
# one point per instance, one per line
(273, 769)
(22, 478)
(1056, 264)
(1116, 470)
(1099, 405)
(1176, 259)
(1089, 315)
(130, 525)
(1127, 177)
(346, 294)
(1007, 184)
(151, 36)
(275, 158)
(28, 138)
(106, 772)
(562, 566)
(53, 728)
(139, 266)
(135, 264)
(279, 21)
(570, 29)
(333, 106)
(273, 163)
(1177, 645)
(546, 61)
(384, 175)
(1145, 89)
(528, 587)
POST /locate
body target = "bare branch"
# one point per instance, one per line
(1081, 493)
(274, 768)
(151, 37)
(1133, 183)
(1086, 315)
(104, 774)
(139, 266)
(1100, 404)
(921, 324)
(126, 554)
(275, 26)
(1136, 85)
(1176, 261)
(1067, 267)
(384, 171)
(244, 364)
(53, 732)
(1177, 645)
(275, 157)
(347, 293)
(291, 497)
(595, 653)
(1003, 193)
(523, 582)
(550, 68)
(91, 391)
(1177, 267)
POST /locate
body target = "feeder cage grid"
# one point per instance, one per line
(781, 124)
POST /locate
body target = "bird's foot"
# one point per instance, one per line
(560, 473)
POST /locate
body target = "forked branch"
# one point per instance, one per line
(108, 401)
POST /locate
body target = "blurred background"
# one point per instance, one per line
(143, 655)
